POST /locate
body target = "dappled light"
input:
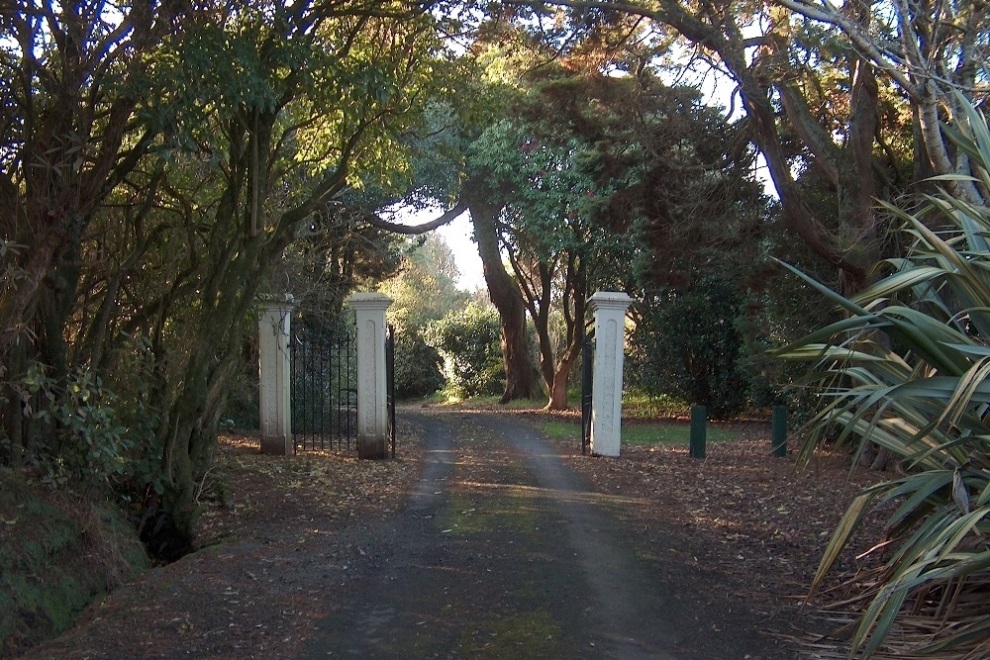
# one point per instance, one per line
(739, 501)
(664, 197)
(334, 486)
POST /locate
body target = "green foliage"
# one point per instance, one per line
(417, 366)
(622, 184)
(469, 342)
(779, 309)
(334, 254)
(686, 344)
(139, 414)
(80, 413)
(425, 288)
(907, 369)
(561, 180)
(423, 291)
(97, 439)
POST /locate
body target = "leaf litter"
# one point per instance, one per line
(739, 528)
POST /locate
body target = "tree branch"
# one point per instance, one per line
(414, 230)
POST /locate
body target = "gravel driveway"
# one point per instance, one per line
(504, 552)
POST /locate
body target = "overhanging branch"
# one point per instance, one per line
(415, 230)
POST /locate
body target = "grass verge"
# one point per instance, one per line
(643, 434)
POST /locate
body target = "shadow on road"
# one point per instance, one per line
(503, 551)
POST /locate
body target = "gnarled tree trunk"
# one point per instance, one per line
(519, 379)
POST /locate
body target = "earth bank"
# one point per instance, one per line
(58, 553)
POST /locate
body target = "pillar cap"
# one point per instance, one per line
(610, 300)
(368, 301)
(276, 299)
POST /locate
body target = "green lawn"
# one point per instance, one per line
(636, 405)
(643, 433)
(639, 427)
(485, 401)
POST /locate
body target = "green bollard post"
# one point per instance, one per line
(699, 415)
(779, 432)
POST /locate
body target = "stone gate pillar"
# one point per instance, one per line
(274, 371)
(606, 398)
(372, 405)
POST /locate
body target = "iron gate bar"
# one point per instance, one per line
(323, 375)
(322, 354)
(390, 385)
(323, 397)
(293, 356)
(587, 391)
(351, 393)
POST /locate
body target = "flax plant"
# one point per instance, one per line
(906, 370)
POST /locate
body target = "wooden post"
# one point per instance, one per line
(779, 432)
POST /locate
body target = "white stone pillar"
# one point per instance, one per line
(372, 405)
(606, 399)
(274, 369)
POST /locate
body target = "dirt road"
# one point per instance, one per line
(498, 550)
(504, 552)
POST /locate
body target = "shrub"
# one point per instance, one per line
(908, 370)
(417, 366)
(100, 434)
(88, 444)
(686, 345)
(765, 327)
(469, 342)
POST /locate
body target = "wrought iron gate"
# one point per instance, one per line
(587, 390)
(390, 385)
(324, 388)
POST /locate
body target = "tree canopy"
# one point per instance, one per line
(148, 215)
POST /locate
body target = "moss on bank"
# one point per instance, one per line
(58, 553)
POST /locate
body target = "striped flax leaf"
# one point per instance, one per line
(923, 394)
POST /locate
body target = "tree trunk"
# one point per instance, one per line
(187, 435)
(558, 390)
(883, 460)
(519, 378)
(538, 304)
(577, 285)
